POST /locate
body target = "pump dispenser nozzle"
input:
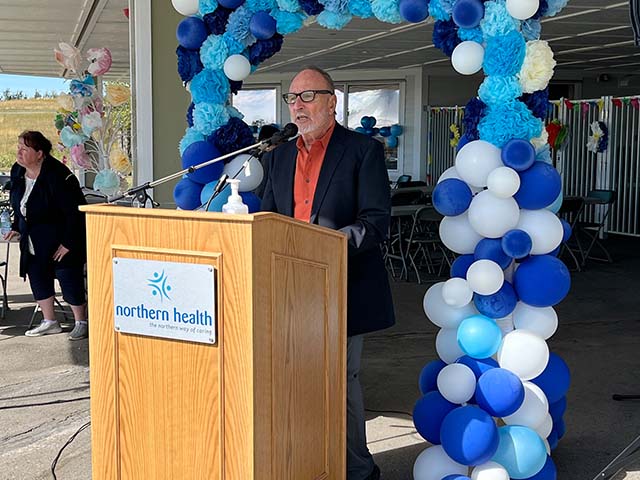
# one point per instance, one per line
(234, 202)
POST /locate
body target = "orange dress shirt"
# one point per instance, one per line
(308, 165)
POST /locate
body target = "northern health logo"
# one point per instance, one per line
(159, 285)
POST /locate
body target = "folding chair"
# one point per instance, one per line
(570, 210)
(602, 199)
(424, 240)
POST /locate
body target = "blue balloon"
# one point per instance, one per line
(555, 378)
(499, 392)
(464, 139)
(199, 152)
(499, 304)
(455, 476)
(478, 365)
(375, 130)
(460, 266)
(361, 130)
(521, 451)
(567, 231)
(230, 4)
(384, 131)
(392, 142)
(553, 440)
(217, 203)
(469, 435)
(207, 191)
(186, 193)
(429, 376)
(251, 200)
(516, 243)
(542, 281)
(367, 122)
(518, 154)
(560, 428)
(451, 197)
(191, 32)
(262, 25)
(540, 185)
(428, 414)
(479, 336)
(548, 472)
(396, 130)
(467, 13)
(491, 249)
(414, 11)
(557, 409)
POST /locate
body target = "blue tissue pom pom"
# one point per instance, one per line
(497, 89)
(189, 63)
(537, 102)
(504, 122)
(210, 86)
(216, 21)
(504, 54)
(445, 36)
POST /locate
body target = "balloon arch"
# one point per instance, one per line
(492, 406)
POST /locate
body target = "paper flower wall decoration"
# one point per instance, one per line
(599, 139)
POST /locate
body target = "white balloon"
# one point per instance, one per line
(433, 463)
(503, 182)
(441, 314)
(544, 228)
(505, 324)
(250, 177)
(476, 160)
(467, 57)
(522, 9)
(456, 292)
(451, 172)
(485, 277)
(489, 471)
(447, 345)
(547, 446)
(237, 67)
(544, 429)
(457, 234)
(492, 216)
(524, 353)
(456, 383)
(541, 321)
(533, 410)
(185, 7)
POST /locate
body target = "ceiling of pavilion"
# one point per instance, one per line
(589, 36)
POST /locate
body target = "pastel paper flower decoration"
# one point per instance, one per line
(119, 161)
(116, 94)
(68, 56)
(107, 181)
(70, 138)
(100, 61)
(537, 68)
(84, 88)
(90, 122)
(80, 157)
(66, 102)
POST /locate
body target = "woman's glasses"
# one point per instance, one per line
(306, 96)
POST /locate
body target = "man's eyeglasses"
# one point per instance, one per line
(306, 96)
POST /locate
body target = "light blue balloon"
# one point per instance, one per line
(217, 203)
(557, 203)
(392, 141)
(521, 451)
(479, 336)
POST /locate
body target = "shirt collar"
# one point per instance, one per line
(324, 139)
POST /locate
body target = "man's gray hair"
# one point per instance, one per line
(324, 74)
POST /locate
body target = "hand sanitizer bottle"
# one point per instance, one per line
(234, 202)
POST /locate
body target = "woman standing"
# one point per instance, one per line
(45, 196)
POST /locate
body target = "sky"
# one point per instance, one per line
(29, 84)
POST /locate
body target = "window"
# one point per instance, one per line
(259, 106)
(381, 101)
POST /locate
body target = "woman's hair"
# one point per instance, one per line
(37, 141)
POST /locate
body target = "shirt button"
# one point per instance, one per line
(307, 180)
(306, 202)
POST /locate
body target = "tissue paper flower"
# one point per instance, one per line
(68, 56)
(119, 161)
(537, 68)
(80, 157)
(117, 94)
(99, 61)
(66, 102)
(90, 122)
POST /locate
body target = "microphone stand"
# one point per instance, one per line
(140, 191)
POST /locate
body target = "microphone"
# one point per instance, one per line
(278, 138)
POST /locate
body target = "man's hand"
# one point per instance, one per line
(9, 235)
(60, 253)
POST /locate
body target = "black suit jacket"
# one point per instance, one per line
(53, 218)
(352, 196)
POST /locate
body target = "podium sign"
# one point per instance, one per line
(164, 299)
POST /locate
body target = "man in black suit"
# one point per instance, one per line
(337, 178)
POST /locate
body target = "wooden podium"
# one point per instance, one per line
(267, 400)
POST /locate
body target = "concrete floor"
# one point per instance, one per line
(598, 336)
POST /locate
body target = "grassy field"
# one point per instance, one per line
(19, 115)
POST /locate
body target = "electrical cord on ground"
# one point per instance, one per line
(53, 402)
(71, 439)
